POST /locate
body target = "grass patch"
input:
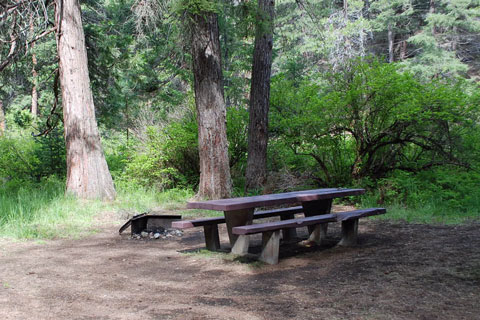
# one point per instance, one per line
(42, 211)
(428, 212)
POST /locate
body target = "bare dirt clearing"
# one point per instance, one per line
(398, 271)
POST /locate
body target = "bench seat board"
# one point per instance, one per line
(361, 213)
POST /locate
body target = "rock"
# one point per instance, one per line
(156, 235)
(144, 234)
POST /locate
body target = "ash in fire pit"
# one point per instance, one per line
(157, 234)
(145, 226)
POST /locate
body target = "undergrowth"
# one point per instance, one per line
(42, 211)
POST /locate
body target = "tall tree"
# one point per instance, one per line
(444, 43)
(260, 96)
(34, 107)
(215, 180)
(87, 171)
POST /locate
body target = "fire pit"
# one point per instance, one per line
(146, 226)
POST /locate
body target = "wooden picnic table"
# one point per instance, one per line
(239, 211)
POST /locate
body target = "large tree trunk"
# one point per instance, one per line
(260, 97)
(215, 180)
(2, 119)
(88, 176)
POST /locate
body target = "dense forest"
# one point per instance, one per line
(315, 93)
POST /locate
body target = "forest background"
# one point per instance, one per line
(364, 93)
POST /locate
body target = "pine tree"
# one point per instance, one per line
(444, 38)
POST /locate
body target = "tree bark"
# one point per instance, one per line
(432, 11)
(34, 106)
(2, 119)
(256, 172)
(215, 180)
(403, 50)
(390, 44)
(88, 176)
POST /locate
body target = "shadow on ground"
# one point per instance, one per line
(398, 271)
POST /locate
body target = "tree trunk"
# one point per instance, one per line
(431, 11)
(2, 119)
(403, 50)
(34, 107)
(215, 181)
(256, 172)
(455, 39)
(88, 176)
(390, 44)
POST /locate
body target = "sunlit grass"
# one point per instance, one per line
(426, 212)
(42, 211)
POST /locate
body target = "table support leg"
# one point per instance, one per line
(349, 233)
(212, 240)
(288, 234)
(270, 247)
(319, 233)
(315, 208)
(234, 219)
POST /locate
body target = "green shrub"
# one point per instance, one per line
(169, 157)
(371, 120)
(18, 157)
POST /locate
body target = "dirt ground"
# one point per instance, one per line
(398, 271)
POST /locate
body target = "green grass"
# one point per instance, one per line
(41, 211)
(427, 212)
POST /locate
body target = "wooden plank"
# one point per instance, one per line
(361, 213)
(273, 199)
(294, 223)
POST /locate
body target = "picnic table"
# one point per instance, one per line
(239, 211)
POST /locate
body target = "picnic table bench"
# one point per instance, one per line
(239, 214)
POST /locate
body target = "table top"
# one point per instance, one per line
(273, 199)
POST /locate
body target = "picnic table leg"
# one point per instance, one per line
(349, 233)
(319, 233)
(317, 207)
(289, 234)
(270, 247)
(237, 218)
(212, 240)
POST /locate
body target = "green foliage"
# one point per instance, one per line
(237, 127)
(24, 157)
(169, 158)
(18, 157)
(196, 7)
(443, 195)
(31, 210)
(372, 120)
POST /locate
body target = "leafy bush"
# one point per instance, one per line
(372, 120)
(18, 157)
(169, 157)
(24, 157)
